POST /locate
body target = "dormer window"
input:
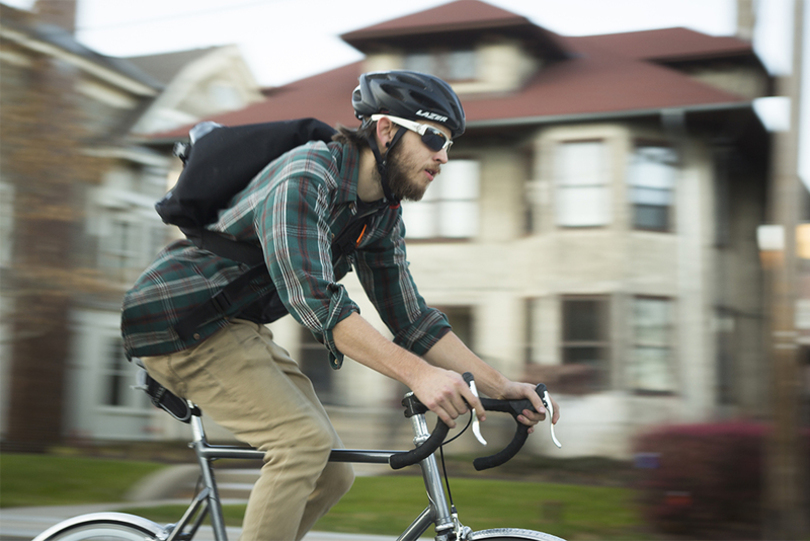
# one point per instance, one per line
(450, 65)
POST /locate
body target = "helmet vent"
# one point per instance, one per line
(413, 81)
(393, 91)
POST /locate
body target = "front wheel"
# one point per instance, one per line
(512, 534)
(103, 527)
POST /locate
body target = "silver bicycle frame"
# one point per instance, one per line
(207, 500)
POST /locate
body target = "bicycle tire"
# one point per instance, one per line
(103, 527)
(512, 534)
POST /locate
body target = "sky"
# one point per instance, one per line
(286, 40)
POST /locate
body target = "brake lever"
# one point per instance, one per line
(476, 424)
(546, 399)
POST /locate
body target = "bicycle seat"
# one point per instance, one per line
(160, 396)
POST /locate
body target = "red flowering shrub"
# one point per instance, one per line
(704, 481)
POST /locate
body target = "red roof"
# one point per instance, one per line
(462, 14)
(667, 44)
(603, 74)
(597, 82)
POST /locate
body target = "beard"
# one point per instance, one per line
(397, 176)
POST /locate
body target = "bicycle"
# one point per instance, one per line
(440, 512)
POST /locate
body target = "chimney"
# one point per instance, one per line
(61, 13)
(746, 19)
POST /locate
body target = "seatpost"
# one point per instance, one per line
(214, 505)
(443, 520)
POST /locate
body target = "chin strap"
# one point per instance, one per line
(382, 165)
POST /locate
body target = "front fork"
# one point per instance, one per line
(448, 527)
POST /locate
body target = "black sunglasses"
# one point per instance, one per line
(433, 138)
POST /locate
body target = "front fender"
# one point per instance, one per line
(512, 534)
(147, 526)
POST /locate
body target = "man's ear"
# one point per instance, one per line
(385, 132)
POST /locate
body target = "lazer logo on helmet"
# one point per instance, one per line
(431, 116)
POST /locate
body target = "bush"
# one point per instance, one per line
(705, 480)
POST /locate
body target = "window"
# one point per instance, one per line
(725, 325)
(585, 336)
(6, 224)
(532, 331)
(118, 376)
(224, 95)
(582, 178)
(313, 358)
(449, 208)
(451, 65)
(461, 319)
(129, 243)
(651, 179)
(650, 366)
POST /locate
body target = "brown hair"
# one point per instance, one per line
(357, 137)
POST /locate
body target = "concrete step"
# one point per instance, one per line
(180, 481)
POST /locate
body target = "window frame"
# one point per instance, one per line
(600, 379)
(563, 184)
(115, 376)
(439, 61)
(119, 258)
(434, 204)
(632, 187)
(313, 361)
(669, 346)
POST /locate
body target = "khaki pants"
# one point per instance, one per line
(251, 386)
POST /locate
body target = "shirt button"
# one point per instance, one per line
(196, 336)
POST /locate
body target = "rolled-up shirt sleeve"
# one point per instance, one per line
(297, 244)
(382, 267)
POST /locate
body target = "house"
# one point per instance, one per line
(596, 226)
(65, 112)
(68, 153)
(196, 84)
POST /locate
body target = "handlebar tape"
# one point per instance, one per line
(505, 454)
(514, 408)
(400, 460)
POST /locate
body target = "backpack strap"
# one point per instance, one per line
(218, 305)
(224, 246)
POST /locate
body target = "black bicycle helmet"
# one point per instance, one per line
(410, 95)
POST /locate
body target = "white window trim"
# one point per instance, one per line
(599, 184)
(432, 219)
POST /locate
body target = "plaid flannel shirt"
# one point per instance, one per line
(294, 208)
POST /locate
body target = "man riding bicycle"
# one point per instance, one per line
(294, 209)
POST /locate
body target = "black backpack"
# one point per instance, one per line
(219, 162)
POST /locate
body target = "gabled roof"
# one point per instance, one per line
(27, 31)
(452, 23)
(597, 83)
(603, 76)
(667, 44)
(452, 16)
(326, 96)
(164, 67)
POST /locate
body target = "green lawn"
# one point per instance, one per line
(387, 505)
(34, 479)
(375, 505)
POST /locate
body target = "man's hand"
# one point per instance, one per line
(443, 392)
(517, 391)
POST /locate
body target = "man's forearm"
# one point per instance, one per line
(451, 353)
(358, 339)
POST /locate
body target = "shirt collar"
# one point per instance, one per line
(347, 158)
